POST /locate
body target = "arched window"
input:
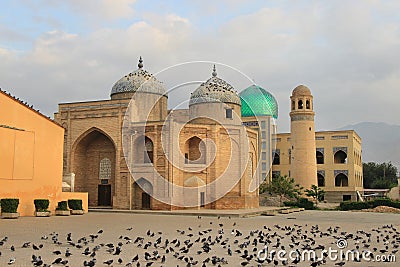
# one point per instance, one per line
(293, 105)
(340, 157)
(195, 151)
(276, 157)
(300, 104)
(320, 157)
(105, 169)
(148, 151)
(308, 104)
(341, 180)
(321, 180)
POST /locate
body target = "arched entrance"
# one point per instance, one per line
(141, 195)
(94, 167)
(196, 194)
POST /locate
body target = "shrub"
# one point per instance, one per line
(41, 204)
(357, 205)
(62, 205)
(305, 203)
(290, 203)
(9, 205)
(349, 205)
(301, 203)
(75, 204)
(384, 202)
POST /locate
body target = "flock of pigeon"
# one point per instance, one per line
(210, 243)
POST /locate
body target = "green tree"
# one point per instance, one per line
(316, 193)
(283, 186)
(382, 183)
(379, 175)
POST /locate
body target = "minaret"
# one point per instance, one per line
(303, 160)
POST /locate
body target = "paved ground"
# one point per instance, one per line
(238, 213)
(303, 231)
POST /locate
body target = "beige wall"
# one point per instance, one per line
(31, 148)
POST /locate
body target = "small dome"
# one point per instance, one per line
(215, 90)
(139, 78)
(257, 101)
(301, 90)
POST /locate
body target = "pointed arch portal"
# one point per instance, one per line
(93, 163)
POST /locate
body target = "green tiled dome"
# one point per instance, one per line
(256, 101)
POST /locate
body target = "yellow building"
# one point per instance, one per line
(335, 157)
(31, 151)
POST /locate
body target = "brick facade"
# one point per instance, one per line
(94, 132)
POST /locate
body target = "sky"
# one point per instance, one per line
(346, 52)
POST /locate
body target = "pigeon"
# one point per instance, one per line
(90, 263)
(135, 258)
(38, 263)
(11, 261)
(57, 261)
(67, 253)
(117, 251)
(108, 262)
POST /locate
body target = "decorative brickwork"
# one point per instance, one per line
(93, 139)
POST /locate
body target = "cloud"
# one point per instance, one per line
(103, 9)
(10, 35)
(346, 54)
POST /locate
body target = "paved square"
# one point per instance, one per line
(189, 240)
